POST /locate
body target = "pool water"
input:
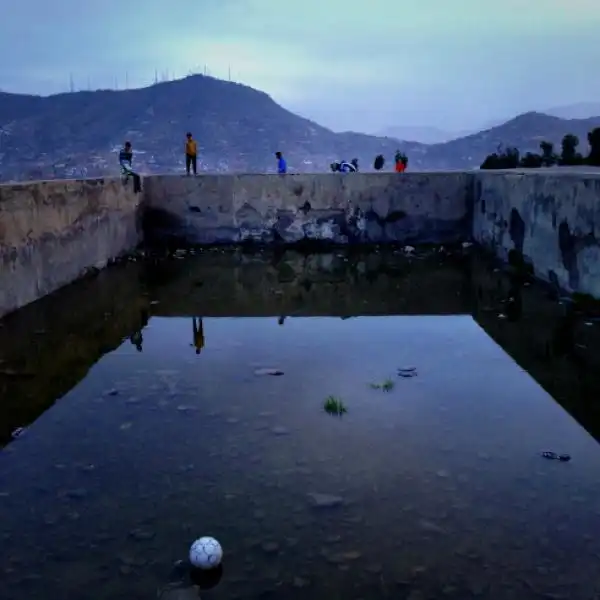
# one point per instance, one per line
(207, 418)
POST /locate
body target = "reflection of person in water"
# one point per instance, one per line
(198, 334)
(136, 338)
(563, 338)
(281, 320)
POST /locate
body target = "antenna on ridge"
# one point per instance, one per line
(71, 84)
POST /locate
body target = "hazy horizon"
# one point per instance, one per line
(404, 64)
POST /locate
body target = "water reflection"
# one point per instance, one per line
(198, 329)
(434, 489)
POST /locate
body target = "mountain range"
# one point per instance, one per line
(237, 129)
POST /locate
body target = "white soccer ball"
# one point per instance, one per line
(206, 553)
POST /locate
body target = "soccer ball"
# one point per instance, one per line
(206, 553)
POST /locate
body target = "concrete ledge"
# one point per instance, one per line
(53, 231)
(338, 208)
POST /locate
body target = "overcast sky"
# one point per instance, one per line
(448, 63)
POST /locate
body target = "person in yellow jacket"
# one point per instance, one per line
(191, 154)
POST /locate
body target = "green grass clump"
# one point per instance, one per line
(386, 386)
(334, 406)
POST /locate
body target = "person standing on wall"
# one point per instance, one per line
(281, 164)
(191, 154)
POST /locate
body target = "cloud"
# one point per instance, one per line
(421, 60)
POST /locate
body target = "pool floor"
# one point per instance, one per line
(198, 422)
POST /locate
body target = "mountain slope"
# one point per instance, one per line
(422, 134)
(524, 132)
(237, 128)
(579, 110)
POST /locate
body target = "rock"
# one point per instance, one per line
(374, 569)
(352, 555)
(300, 582)
(270, 547)
(324, 500)
(279, 430)
(272, 372)
(77, 494)
(431, 527)
(259, 514)
(112, 392)
(141, 535)
(187, 593)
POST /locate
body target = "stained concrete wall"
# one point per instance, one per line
(339, 208)
(550, 219)
(53, 231)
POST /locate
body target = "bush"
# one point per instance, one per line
(593, 158)
(503, 159)
(531, 161)
(379, 162)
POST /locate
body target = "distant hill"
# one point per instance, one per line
(422, 134)
(237, 128)
(524, 132)
(579, 110)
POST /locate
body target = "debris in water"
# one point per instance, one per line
(273, 372)
(18, 432)
(407, 372)
(554, 456)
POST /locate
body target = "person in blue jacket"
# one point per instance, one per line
(281, 164)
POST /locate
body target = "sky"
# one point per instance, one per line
(453, 64)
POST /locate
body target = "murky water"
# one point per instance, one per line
(160, 426)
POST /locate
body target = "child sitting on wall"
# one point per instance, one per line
(125, 160)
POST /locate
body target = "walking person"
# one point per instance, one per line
(191, 154)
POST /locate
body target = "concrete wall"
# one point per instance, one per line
(551, 219)
(373, 207)
(52, 231)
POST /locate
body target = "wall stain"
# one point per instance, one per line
(516, 230)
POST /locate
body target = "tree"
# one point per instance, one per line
(379, 162)
(502, 159)
(569, 154)
(548, 156)
(594, 142)
(531, 161)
